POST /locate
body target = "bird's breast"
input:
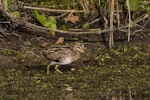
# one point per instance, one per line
(66, 60)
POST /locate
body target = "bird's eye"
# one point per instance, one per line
(79, 47)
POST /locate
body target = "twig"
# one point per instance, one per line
(39, 29)
(54, 10)
(129, 24)
(5, 22)
(111, 37)
(61, 15)
(118, 15)
(94, 21)
(142, 27)
(130, 94)
(35, 28)
(106, 22)
(79, 30)
(85, 5)
(143, 17)
(3, 33)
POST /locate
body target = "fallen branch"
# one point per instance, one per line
(39, 29)
(32, 27)
(54, 10)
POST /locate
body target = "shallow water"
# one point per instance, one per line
(119, 73)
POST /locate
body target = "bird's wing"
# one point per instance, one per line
(56, 53)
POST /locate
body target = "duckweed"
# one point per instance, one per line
(119, 72)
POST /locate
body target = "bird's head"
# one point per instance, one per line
(79, 47)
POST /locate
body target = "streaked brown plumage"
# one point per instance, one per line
(62, 55)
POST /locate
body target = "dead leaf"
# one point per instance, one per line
(71, 18)
(60, 40)
(44, 44)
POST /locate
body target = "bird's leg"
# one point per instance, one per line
(57, 69)
(48, 67)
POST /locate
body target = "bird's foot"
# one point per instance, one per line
(57, 69)
(48, 67)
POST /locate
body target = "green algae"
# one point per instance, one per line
(118, 72)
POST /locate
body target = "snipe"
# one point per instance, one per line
(62, 55)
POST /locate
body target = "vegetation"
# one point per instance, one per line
(49, 22)
(116, 72)
(120, 72)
